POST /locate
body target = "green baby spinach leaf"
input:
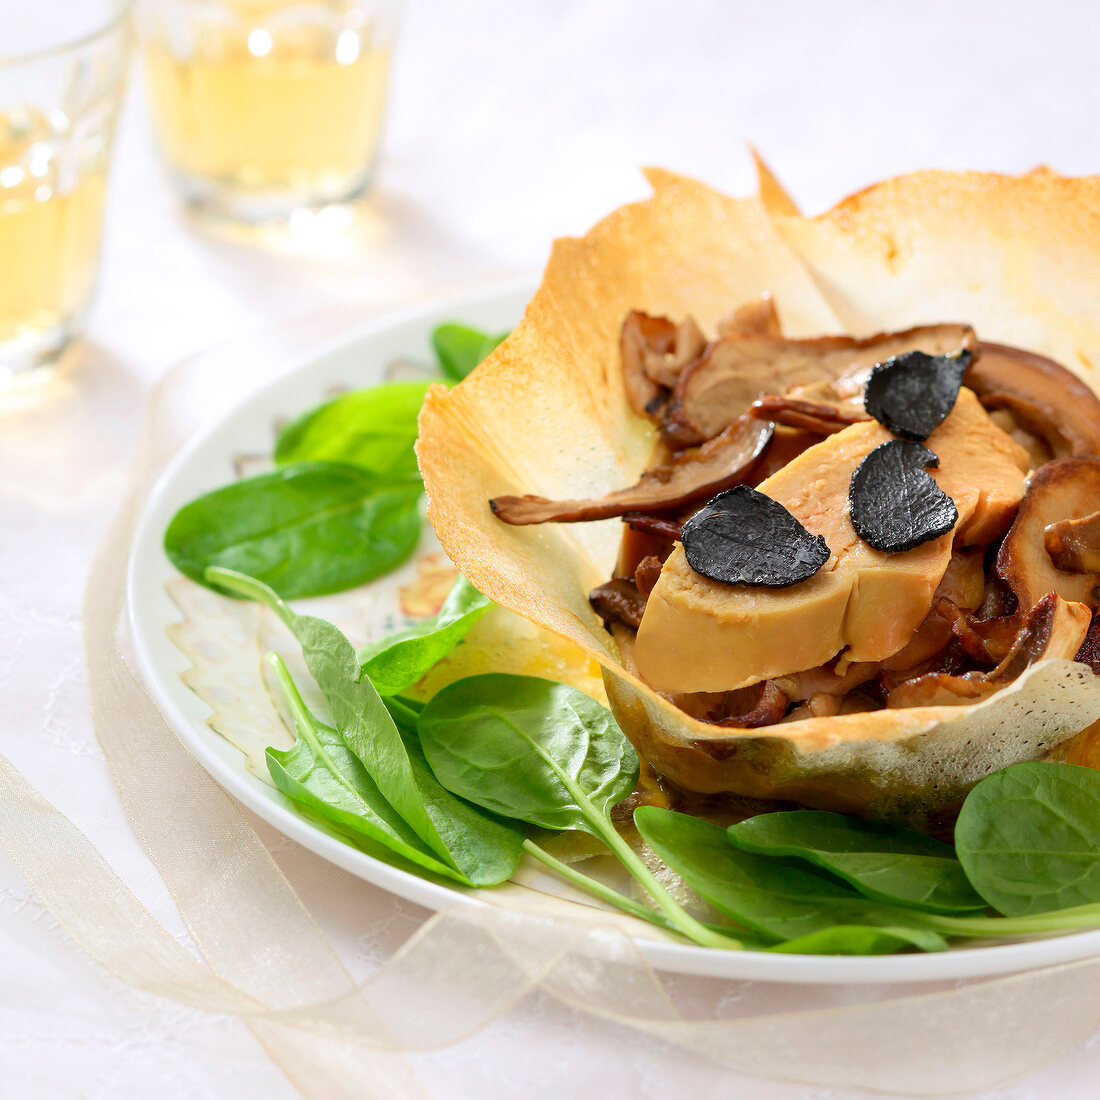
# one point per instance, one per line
(529, 748)
(459, 348)
(856, 939)
(884, 862)
(304, 530)
(546, 754)
(400, 659)
(373, 428)
(773, 896)
(1028, 838)
(321, 773)
(478, 845)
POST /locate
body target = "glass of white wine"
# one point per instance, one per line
(62, 73)
(266, 107)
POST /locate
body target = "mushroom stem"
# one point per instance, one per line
(812, 416)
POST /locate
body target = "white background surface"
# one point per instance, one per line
(511, 122)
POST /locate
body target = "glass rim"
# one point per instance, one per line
(116, 19)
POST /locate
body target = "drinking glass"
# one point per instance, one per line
(62, 73)
(264, 107)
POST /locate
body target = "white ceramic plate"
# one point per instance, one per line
(207, 462)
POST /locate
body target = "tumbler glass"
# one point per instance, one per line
(62, 74)
(265, 107)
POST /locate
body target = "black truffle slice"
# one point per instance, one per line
(912, 393)
(894, 504)
(744, 537)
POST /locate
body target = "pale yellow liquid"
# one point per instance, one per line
(50, 221)
(293, 109)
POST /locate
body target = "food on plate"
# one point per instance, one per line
(698, 635)
(853, 572)
(857, 532)
(922, 653)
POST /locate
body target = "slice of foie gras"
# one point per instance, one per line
(702, 635)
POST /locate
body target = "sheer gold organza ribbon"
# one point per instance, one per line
(262, 957)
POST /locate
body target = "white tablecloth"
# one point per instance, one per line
(511, 123)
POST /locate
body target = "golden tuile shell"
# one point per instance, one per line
(1018, 257)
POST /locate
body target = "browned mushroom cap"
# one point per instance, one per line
(1053, 628)
(1074, 544)
(754, 318)
(692, 476)
(1042, 396)
(1067, 488)
(811, 416)
(654, 351)
(733, 372)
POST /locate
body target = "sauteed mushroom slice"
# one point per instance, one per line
(987, 641)
(641, 335)
(647, 574)
(733, 372)
(825, 680)
(768, 707)
(653, 525)
(1074, 544)
(691, 476)
(939, 689)
(654, 351)
(818, 417)
(1053, 628)
(1043, 396)
(618, 601)
(1066, 489)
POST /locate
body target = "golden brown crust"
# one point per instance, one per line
(1015, 255)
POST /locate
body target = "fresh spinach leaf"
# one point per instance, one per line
(855, 939)
(320, 773)
(373, 428)
(478, 845)
(459, 348)
(546, 754)
(529, 748)
(1028, 838)
(772, 896)
(883, 862)
(400, 659)
(304, 530)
